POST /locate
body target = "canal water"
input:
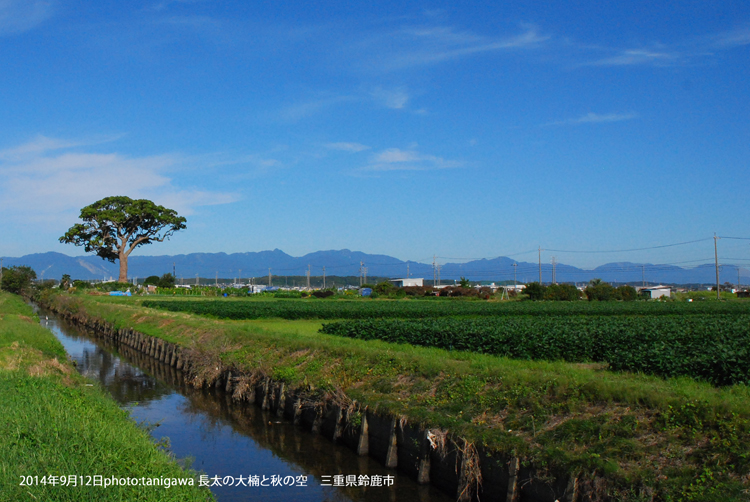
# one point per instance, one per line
(208, 432)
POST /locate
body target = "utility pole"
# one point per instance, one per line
(174, 274)
(308, 276)
(365, 269)
(240, 272)
(196, 279)
(515, 282)
(540, 265)
(407, 270)
(361, 265)
(716, 258)
(269, 277)
(324, 277)
(434, 272)
(438, 274)
(217, 278)
(554, 277)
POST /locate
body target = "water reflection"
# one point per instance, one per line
(221, 437)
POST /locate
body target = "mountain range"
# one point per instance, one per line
(347, 263)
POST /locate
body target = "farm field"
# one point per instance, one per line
(680, 438)
(714, 348)
(704, 340)
(229, 308)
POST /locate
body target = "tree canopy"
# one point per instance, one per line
(165, 281)
(115, 226)
(16, 279)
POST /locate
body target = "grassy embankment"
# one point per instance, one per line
(677, 438)
(54, 422)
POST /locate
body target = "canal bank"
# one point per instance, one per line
(220, 438)
(497, 428)
(62, 438)
(428, 457)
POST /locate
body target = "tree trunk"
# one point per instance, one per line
(123, 268)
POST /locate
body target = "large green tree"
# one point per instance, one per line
(114, 226)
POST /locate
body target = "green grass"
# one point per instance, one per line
(684, 439)
(53, 422)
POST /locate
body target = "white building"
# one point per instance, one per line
(401, 283)
(656, 291)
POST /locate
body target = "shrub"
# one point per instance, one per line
(600, 291)
(534, 291)
(384, 288)
(626, 293)
(562, 292)
(81, 284)
(151, 280)
(418, 290)
(166, 281)
(17, 278)
(113, 286)
(287, 294)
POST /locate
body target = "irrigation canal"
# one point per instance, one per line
(220, 438)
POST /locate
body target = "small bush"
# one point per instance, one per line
(113, 286)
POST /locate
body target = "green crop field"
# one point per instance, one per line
(416, 309)
(712, 348)
(709, 341)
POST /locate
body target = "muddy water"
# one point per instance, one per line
(219, 438)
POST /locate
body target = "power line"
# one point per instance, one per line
(486, 258)
(629, 250)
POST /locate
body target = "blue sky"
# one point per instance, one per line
(404, 128)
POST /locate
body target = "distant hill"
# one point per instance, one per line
(344, 262)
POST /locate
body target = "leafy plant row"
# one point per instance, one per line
(712, 348)
(417, 309)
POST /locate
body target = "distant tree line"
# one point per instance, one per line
(596, 290)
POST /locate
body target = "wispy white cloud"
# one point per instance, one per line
(391, 98)
(688, 51)
(159, 6)
(632, 57)
(394, 98)
(47, 183)
(734, 38)
(395, 159)
(42, 144)
(18, 16)
(347, 147)
(298, 111)
(425, 45)
(595, 118)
